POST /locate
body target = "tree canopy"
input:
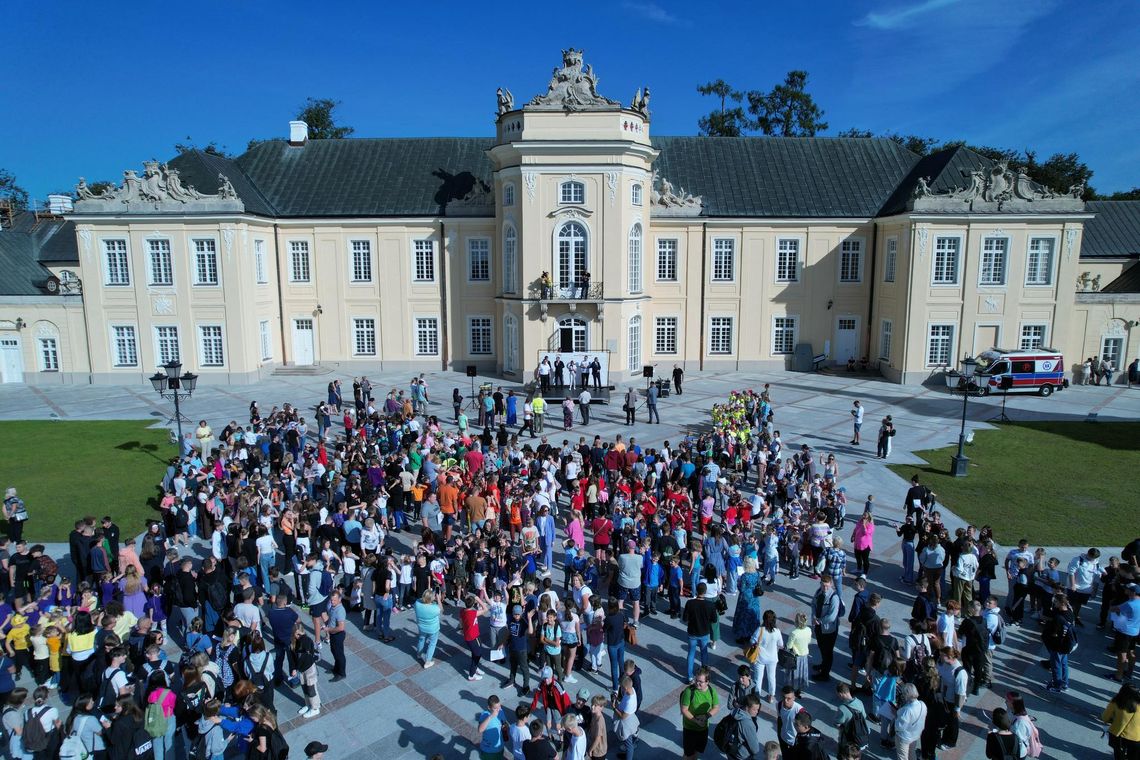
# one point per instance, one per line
(725, 122)
(318, 114)
(211, 147)
(11, 191)
(788, 110)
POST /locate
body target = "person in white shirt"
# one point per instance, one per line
(1084, 577)
(962, 575)
(955, 684)
(857, 415)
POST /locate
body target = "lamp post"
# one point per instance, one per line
(960, 462)
(174, 384)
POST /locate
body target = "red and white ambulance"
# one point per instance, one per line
(1042, 370)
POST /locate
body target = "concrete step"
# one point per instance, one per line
(309, 370)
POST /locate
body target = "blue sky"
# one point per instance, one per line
(95, 88)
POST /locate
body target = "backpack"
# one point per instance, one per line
(918, 654)
(35, 738)
(142, 745)
(726, 735)
(1061, 635)
(278, 747)
(188, 704)
(1035, 748)
(108, 694)
(326, 584)
(197, 750)
(154, 720)
(73, 748)
(47, 569)
(855, 731)
(998, 635)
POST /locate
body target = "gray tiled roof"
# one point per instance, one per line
(22, 249)
(785, 176)
(1115, 231)
(1127, 282)
(201, 170)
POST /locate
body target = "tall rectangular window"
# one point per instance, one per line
(634, 243)
(49, 355)
(424, 261)
(787, 260)
(1039, 262)
(633, 344)
(479, 335)
(118, 265)
(724, 260)
(361, 261)
(205, 262)
(126, 346)
(945, 262)
(783, 335)
(213, 348)
(720, 335)
(161, 268)
(299, 270)
(166, 343)
(993, 261)
(667, 260)
(427, 336)
(851, 261)
(364, 336)
(260, 271)
(266, 336)
(665, 335)
(940, 345)
(1032, 337)
(891, 262)
(508, 194)
(479, 260)
(885, 333)
(510, 258)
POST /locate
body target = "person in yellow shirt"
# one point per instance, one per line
(1123, 718)
(538, 408)
(16, 642)
(54, 637)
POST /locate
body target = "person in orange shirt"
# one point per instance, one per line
(448, 504)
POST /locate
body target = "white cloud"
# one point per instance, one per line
(650, 11)
(900, 18)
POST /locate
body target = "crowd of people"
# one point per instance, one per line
(548, 558)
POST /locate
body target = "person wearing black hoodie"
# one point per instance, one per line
(809, 741)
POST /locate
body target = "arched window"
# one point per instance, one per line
(633, 347)
(635, 194)
(572, 191)
(510, 258)
(572, 260)
(572, 335)
(635, 259)
(510, 343)
(508, 194)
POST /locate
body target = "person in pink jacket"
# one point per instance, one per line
(862, 541)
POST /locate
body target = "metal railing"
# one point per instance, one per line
(569, 293)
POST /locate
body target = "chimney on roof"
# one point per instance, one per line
(298, 133)
(59, 204)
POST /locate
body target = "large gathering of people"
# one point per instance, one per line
(539, 559)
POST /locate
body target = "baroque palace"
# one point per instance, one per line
(575, 230)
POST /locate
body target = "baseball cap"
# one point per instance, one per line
(1134, 587)
(313, 748)
(583, 693)
(547, 673)
(517, 609)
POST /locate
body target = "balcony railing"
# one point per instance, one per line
(571, 293)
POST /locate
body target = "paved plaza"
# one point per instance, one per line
(390, 708)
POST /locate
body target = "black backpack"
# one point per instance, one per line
(197, 749)
(35, 738)
(142, 745)
(278, 747)
(726, 735)
(108, 694)
(856, 733)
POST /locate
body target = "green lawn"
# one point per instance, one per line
(66, 470)
(1055, 483)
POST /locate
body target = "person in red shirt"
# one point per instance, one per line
(603, 529)
(469, 624)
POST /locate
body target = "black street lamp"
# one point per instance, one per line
(177, 385)
(960, 462)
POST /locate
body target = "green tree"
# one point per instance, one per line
(1124, 195)
(11, 191)
(856, 132)
(788, 110)
(1060, 172)
(318, 114)
(726, 122)
(211, 147)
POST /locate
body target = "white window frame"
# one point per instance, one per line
(571, 271)
(851, 247)
(890, 259)
(47, 352)
(668, 258)
(155, 254)
(425, 331)
(207, 267)
(1049, 261)
(117, 274)
(636, 194)
(1027, 342)
(510, 343)
(572, 192)
(510, 258)
(486, 326)
(260, 271)
(134, 345)
(473, 259)
(636, 253)
(1003, 276)
(957, 274)
(265, 338)
(782, 274)
(360, 260)
(364, 336)
(633, 345)
(722, 247)
(161, 341)
(950, 343)
(886, 336)
(666, 330)
(1118, 356)
(509, 194)
(782, 326)
(220, 347)
(423, 260)
(300, 262)
(720, 322)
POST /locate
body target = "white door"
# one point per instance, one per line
(11, 361)
(846, 340)
(302, 342)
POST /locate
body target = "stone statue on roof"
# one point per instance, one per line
(505, 100)
(159, 188)
(573, 87)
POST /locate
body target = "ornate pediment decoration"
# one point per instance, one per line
(479, 201)
(997, 189)
(573, 87)
(570, 212)
(667, 201)
(159, 189)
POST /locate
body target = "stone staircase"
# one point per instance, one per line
(308, 370)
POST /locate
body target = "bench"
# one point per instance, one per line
(817, 362)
